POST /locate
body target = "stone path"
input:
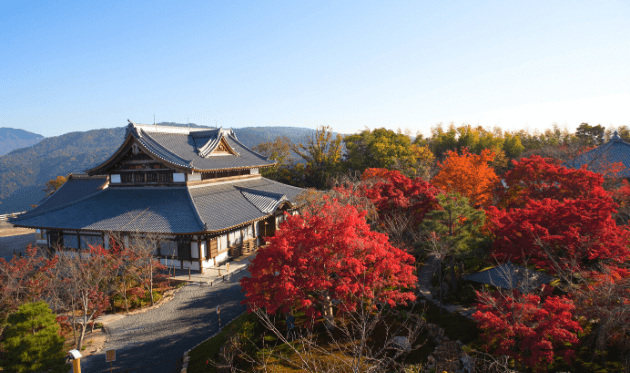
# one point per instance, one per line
(165, 333)
(424, 288)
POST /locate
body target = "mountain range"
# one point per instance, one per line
(13, 138)
(25, 170)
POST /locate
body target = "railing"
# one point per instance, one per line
(10, 215)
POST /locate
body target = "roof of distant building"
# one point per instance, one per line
(510, 276)
(600, 158)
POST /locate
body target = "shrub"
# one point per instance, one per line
(32, 341)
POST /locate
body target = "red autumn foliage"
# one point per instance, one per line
(552, 234)
(537, 178)
(399, 194)
(317, 258)
(530, 328)
(24, 279)
(558, 217)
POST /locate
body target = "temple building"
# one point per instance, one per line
(610, 156)
(199, 190)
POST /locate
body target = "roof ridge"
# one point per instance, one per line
(185, 163)
(251, 150)
(261, 192)
(196, 210)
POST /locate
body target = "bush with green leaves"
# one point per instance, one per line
(32, 342)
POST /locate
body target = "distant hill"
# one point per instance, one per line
(23, 172)
(13, 138)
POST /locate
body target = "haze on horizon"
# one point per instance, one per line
(76, 66)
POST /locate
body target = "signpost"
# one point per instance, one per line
(110, 357)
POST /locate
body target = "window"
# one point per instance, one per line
(152, 178)
(126, 178)
(70, 241)
(115, 178)
(40, 234)
(166, 177)
(179, 177)
(168, 248)
(91, 240)
(139, 178)
(204, 251)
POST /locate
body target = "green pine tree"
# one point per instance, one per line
(32, 341)
(452, 230)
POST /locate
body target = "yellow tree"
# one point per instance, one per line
(469, 175)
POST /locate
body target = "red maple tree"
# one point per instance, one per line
(530, 328)
(557, 217)
(539, 178)
(325, 256)
(395, 193)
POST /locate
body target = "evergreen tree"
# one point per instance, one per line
(32, 341)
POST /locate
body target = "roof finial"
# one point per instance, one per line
(616, 136)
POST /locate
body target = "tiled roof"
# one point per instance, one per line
(510, 276)
(147, 209)
(191, 148)
(600, 158)
(226, 205)
(212, 207)
(73, 190)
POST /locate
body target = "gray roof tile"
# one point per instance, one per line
(74, 189)
(191, 147)
(167, 210)
(510, 276)
(600, 158)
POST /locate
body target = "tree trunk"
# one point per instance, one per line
(125, 294)
(74, 325)
(441, 284)
(328, 313)
(453, 280)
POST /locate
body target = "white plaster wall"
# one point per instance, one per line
(194, 250)
(221, 257)
(208, 263)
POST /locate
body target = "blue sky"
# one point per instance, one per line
(73, 66)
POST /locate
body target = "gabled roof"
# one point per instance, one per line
(188, 148)
(599, 159)
(510, 276)
(175, 210)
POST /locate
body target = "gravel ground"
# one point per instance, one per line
(17, 243)
(164, 334)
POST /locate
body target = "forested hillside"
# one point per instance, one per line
(13, 138)
(23, 172)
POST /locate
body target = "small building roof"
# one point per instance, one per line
(599, 159)
(191, 149)
(510, 276)
(172, 210)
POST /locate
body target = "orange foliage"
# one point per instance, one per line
(469, 175)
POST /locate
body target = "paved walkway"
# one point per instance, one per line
(161, 336)
(15, 244)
